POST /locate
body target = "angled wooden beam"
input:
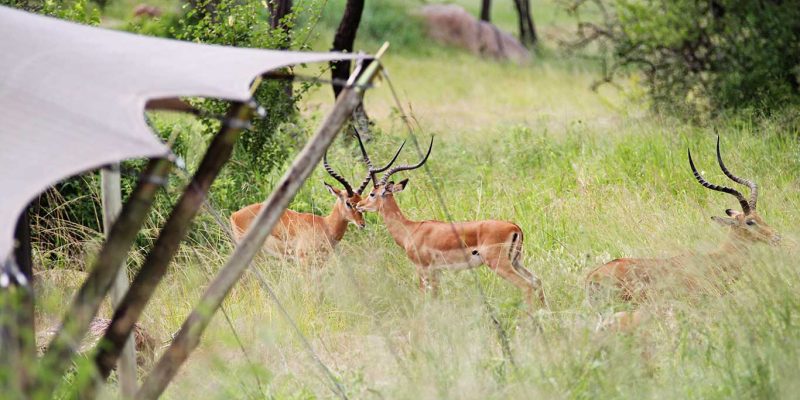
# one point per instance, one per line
(188, 337)
(84, 306)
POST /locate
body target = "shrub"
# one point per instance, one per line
(699, 56)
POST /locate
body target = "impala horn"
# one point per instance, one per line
(752, 185)
(745, 205)
(372, 172)
(336, 176)
(405, 167)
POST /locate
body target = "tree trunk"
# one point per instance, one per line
(527, 30)
(343, 41)
(278, 9)
(203, 8)
(486, 10)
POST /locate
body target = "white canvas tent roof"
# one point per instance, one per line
(72, 97)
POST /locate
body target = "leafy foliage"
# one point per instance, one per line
(77, 10)
(699, 56)
(268, 143)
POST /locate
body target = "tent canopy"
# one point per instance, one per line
(72, 97)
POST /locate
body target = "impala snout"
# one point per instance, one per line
(365, 206)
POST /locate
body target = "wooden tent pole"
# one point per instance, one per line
(112, 205)
(17, 331)
(87, 301)
(23, 254)
(188, 337)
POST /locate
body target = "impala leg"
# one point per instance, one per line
(433, 280)
(625, 321)
(428, 280)
(423, 279)
(535, 282)
(520, 277)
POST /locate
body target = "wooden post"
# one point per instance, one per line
(12, 380)
(112, 205)
(87, 301)
(188, 337)
(23, 255)
(17, 331)
(175, 229)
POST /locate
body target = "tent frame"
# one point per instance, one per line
(108, 269)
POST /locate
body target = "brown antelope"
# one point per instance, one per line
(303, 236)
(634, 279)
(434, 245)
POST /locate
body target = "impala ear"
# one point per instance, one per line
(332, 189)
(732, 213)
(398, 187)
(725, 221)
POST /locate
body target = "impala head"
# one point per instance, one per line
(746, 226)
(346, 199)
(384, 189)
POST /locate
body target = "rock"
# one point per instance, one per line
(146, 10)
(144, 343)
(451, 24)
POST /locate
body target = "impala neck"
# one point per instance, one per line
(335, 223)
(396, 223)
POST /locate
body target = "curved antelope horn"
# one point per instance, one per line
(753, 187)
(336, 176)
(706, 184)
(372, 172)
(405, 167)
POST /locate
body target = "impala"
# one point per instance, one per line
(634, 279)
(303, 236)
(434, 245)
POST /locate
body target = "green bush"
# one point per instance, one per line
(702, 56)
(72, 10)
(267, 145)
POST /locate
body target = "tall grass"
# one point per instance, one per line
(584, 192)
(589, 177)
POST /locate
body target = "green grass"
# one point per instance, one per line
(588, 176)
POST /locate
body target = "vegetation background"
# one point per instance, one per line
(589, 175)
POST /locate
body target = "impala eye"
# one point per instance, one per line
(348, 205)
(372, 195)
(750, 222)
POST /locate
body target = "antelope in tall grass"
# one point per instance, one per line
(306, 237)
(634, 279)
(434, 246)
